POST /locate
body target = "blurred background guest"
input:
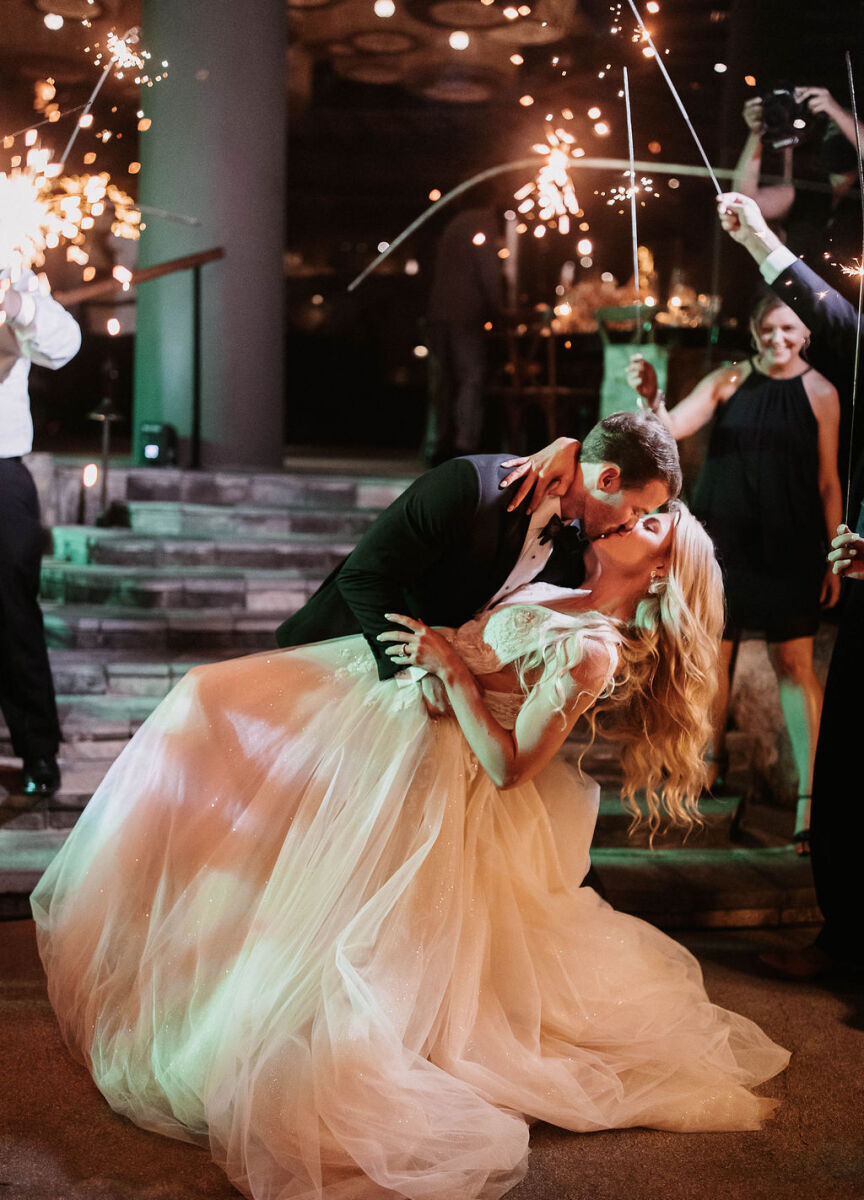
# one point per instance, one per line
(33, 328)
(466, 294)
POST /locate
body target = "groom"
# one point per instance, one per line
(449, 545)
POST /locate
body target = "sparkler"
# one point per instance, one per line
(598, 164)
(122, 55)
(633, 231)
(659, 60)
(860, 273)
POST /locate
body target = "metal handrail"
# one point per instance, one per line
(190, 262)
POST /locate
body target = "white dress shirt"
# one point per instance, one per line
(42, 332)
(533, 556)
(776, 263)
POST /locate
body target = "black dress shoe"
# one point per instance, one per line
(41, 776)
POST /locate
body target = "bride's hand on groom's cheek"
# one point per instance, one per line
(551, 470)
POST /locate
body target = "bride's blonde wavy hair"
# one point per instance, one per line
(658, 705)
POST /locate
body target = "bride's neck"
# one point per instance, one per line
(613, 593)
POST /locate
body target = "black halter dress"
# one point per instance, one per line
(758, 495)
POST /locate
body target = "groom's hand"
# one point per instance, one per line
(551, 470)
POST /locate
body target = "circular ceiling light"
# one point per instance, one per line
(70, 10)
(457, 84)
(455, 14)
(383, 41)
(369, 69)
(528, 31)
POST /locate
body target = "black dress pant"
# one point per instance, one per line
(26, 687)
(837, 818)
(457, 375)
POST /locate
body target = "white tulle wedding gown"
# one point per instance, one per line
(299, 925)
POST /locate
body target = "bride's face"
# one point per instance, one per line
(644, 548)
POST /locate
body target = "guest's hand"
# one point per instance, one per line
(549, 472)
(417, 645)
(10, 301)
(847, 554)
(830, 592)
(742, 219)
(642, 378)
(435, 696)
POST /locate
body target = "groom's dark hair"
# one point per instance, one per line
(640, 445)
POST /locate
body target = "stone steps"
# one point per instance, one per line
(118, 672)
(172, 535)
(209, 631)
(309, 490)
(182, 586)
(738, 887)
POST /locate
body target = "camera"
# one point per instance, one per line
(785, 120)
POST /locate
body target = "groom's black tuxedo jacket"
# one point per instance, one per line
(438, 553)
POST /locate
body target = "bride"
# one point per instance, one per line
(345, 946)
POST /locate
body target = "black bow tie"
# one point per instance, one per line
(562, 536)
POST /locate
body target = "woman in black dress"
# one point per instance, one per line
(770, 497)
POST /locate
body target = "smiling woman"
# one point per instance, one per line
(770, 469)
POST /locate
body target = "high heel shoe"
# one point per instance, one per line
(801, 842)
(801, 837)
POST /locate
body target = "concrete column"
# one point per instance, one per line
(215, 151)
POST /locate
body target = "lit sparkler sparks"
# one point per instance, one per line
(856, 269)
(39, 211)
(550, 196)
(121, 54)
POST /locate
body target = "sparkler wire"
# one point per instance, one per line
(74, 134)
(39, 124)
(860, 291)
(677, 98)
(489, 173)
(598, 164)
(633, 231)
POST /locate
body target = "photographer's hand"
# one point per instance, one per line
(752, 114)
(819, 100)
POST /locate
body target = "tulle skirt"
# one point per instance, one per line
(299, 925)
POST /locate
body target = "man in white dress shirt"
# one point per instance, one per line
(33, 328)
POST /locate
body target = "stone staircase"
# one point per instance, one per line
(206, 568)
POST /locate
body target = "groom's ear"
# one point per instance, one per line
(609, 479)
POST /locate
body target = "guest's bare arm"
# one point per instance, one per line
(826, 409)
(694, 410)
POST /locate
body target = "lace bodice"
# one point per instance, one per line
(505, 634)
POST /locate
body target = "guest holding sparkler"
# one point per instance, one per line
(771, 465)
(837, 824)
(33, 328)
